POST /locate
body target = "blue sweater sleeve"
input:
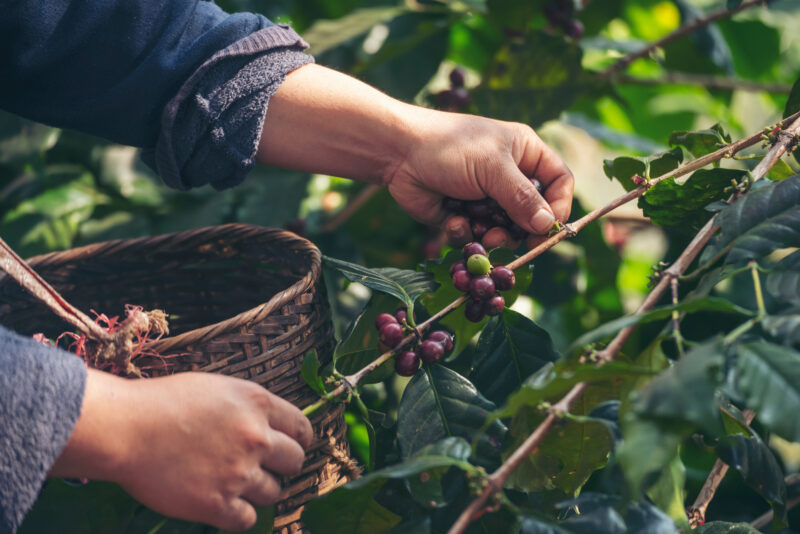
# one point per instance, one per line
(109, 67)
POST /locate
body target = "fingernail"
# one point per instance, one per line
(542, 221)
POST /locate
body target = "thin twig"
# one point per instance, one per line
(676, 315)
(697, 511)
(709, 82)
(695, 25)
(351, 208)
(499, 477)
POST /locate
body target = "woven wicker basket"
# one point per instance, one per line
(243, 300)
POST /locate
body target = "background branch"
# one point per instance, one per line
(710, 82)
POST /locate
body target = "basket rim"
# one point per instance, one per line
(239, 232)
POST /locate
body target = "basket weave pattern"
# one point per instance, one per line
(243, 301)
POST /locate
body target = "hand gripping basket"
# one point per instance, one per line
(242, 300)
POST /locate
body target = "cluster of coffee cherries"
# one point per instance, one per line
(483, 220)
(561, 14)
(457, 97)
(474, 275)
(391, 330)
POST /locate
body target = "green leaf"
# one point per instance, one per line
(532, 81)
(350, 509)
(723, 527)
(510, 349)
(759, 468)
(783, 282)
(767, 376)
(733, 4)
(687, 391)
(669, 492)
(671, 204)
(765, 219)
(702, 304)
(701, 142)
(359, 345)
(708, 38)
(609, 514)
(661, 442)
(784, 328)
(310, 372)
(327, 34)
(401, 283)
(440, 403)
(780, 171)
(624, 168)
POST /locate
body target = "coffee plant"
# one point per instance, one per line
(500, 382)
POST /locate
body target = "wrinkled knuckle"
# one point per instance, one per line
(524, 198)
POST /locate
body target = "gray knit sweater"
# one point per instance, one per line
(208, 134)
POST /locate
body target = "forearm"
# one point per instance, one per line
(323, 121)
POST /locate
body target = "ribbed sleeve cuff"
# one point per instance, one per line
(210, 130)
(41, 392)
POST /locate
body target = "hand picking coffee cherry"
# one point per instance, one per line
(406, 363)
(481, 282)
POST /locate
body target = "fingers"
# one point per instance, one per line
(498, 237)
(265, 489)
(286, 418)
(541, 162)
(237, 516)
(518, 196)
(282, 455)
(559, 195)
(458, 230)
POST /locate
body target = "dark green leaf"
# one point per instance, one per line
(401, 283)
(669, 493)
(783, 282)
(350, 509)
(708, 38)
(759, 468)
(785, 328)
(440, 403)
(661, 442)
(671, 204)
(510, 349)
(733, 4)
(310, 372)
(327, 34)
(609, 514)
(723, 527)
(359, 345)
(765, 219)
(767, 376)
(624, 168)
(701, 142)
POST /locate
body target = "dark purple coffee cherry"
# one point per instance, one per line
(457, 77)
(453, 205)
(574, 29)
(457, 229)
(383, 319)
(481, 287)
(444, 337)
(494, 305)
(479, 229)
(473, 310)
(460, 265)
(461, 280)
(401, 314)
(471, 249)
(461, 98)
(537, 184)
(504, 279)
(406, 363)
(391, 334)
(517, 232)
(499, 219)
(479, 209)
(430, 351)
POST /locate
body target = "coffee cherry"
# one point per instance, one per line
(478, 265)
(461, 280)
(480, 209)
(430, 351)
(479, 229)
(460, 265)
(391, 334)
(504, 279)
(517, 232)
(470, 249)
(574, 29)
(537, 184)
(383, 319)
(457, 77)
(481, 287)
(499, 218)
(494, 305)
(460, 98)
(453, 205)
(498, 237)
(444, 337)
(473, 310)
(458, 230)
(401, 314)
(406, 363)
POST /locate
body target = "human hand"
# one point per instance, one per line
(195, 446)
(469, 158)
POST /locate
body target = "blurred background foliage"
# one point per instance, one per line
(60, 189)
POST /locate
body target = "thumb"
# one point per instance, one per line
(519, 197)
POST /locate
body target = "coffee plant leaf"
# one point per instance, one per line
(535, 525)
(404, 284)
(780, 171)
(767, 377)
(687, 392)
(724, 527)
(669, 203)
(765, 219)
(759, 469)
(624, 168)
(708, 39)
(310, 372)
(510, 349)
(669, 493)
(439, 403)
(700, 304)
(359, 345)
(661, 440)
(327, 34)
(733, 4)
(701, 142)
(783, 282)
(610, 514)
(784, 327)
(350, 509)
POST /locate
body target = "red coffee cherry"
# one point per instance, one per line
(462, 279)
(391, 334)
(383, 319)
(430, 351)
(460, 265)
(495, 305)
(473, 310)
(481, 287)
(471, 249)
(406, 363)
(444, 337)
(504, 279)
